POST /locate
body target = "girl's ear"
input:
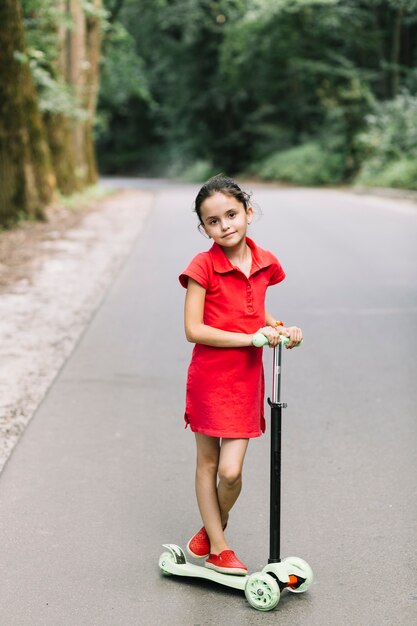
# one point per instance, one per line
(249, 215)
(203, 231)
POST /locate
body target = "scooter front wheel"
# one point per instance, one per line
(299, 568)
(262, 591)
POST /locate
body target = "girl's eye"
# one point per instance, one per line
(232, 213)
(212, 222)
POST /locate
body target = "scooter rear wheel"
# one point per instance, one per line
(262, 591)
(163, 559)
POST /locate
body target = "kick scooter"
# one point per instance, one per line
(262, 589)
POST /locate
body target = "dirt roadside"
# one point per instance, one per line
(53, 276)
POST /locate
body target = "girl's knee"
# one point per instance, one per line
(230, 475)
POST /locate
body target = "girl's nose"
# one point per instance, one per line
(225, 225)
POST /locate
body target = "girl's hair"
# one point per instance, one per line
(220, 184)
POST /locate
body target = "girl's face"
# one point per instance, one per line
(225, 219)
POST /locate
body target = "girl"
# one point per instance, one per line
(224, 307)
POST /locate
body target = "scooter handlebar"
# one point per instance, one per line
(259, 340)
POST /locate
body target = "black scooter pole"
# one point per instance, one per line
(275, 479)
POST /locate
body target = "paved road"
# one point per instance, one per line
(104, 473)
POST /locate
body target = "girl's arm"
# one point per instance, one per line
(195, 329)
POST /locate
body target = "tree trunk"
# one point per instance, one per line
(58, 125)
(82, 72)
(93, 48)
(26, 177)
(59, 135)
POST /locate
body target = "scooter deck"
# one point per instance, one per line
(175, 563)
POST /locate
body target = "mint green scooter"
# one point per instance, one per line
(262, 589)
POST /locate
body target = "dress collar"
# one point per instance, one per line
(222, 264)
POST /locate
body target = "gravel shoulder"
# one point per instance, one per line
(53, 276)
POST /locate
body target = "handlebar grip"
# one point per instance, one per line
(259, 340)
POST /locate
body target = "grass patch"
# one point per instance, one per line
(87, 195)
(198, 172)
(308, 164)
(399, 174)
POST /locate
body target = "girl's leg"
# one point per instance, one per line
(232, 455)
(215, 501)
(208, 456)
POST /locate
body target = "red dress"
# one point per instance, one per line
(225, 386)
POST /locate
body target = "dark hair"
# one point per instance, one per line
(220, 184)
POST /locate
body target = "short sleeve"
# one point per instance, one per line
(277, 274)
(199, 269)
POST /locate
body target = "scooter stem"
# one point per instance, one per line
(276, 405)
(275, 472)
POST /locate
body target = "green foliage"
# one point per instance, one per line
(308, 164)
(391, 130)
(194, 86)
(125, 104)
(401, 173)
(232, 82)
(42, 19)
(197, 172)
(388, 145)
(56, 96)
(122, 72)
(91, 10)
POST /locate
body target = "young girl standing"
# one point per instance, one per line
(224, 308)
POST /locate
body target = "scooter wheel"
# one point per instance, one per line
(262, 591)
(164, 559)
(298, 567)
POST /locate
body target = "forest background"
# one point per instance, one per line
(309, 92)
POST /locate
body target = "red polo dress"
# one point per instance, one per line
(225, 386)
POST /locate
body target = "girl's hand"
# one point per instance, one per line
(272, 334)
(294, 333)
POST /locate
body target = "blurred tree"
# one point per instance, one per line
(229, 82)
(46, 33)
(65, 39)
(26, 177)
(389, 143)
(125, 131)
(82, 72)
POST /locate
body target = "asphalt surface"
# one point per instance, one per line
(104, 473)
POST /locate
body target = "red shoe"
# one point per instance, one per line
(199, 545)
(227, 563)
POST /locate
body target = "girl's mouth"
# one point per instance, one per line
(228, 235)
